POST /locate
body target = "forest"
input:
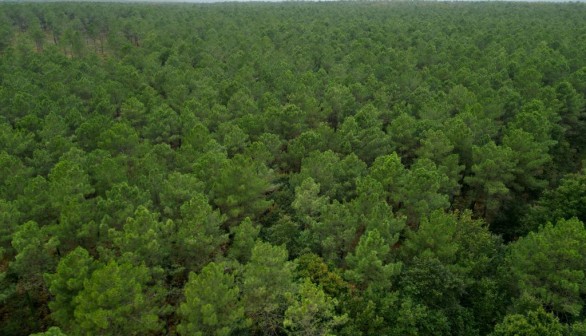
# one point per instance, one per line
(347, 168)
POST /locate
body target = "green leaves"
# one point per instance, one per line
(548, 267)
(313, 313)
(267, 286)
(493, 170)
(52, 331)
(143, 239)
(415, 192)
(371, 265)
(113, 295)
(92, 298)
(454, 239)
(68, 281)
(35, 255)
(198, 235)
(566, 201)
(534, 323)
(212, 305)
(245, 235)
(328, 170)
(240, 188)
(336, 176)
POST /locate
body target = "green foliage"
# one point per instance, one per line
(313, 313)
(416, 319)
(454, 239)
(420, 190)
(53, 331)
(66, 284)
(91, 298)
(547, 267)
(239, 190)
(9, 217)
(120, 139)
(433, 284)
(267, 286)
(564, 202)
(336, 176)
(330, 169)
(121, 202)
(414, 192)
(113, 295)
(532, 156)
(35, 254)
(198, 235)
(450, 264)
(370, 265)
(212, 305)
(578, 328)
(534, 323)
(177, 189)
(388, 171)
(308, 204)
(373, 212)
(363, 134)
(313, 267)
(437, 147)
(143, 238)
(493, 171)
(334, 233)
(245, 235)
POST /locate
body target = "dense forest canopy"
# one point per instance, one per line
(292, 169)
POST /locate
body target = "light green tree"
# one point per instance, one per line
(534, 323)
(69, 185)
(143, 238)
(198, 235)
(52, 331)
(245, 235)
(420, 191)
(312, 313)
(267, 286)
(388, 171)
(212, 305)
(66, 283)
(118, 299)
(308, 204)
(437, 147)
(36, 253)
(370, 265)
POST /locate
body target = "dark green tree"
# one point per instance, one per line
(547, 268)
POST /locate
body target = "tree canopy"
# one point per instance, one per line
(292, 168)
